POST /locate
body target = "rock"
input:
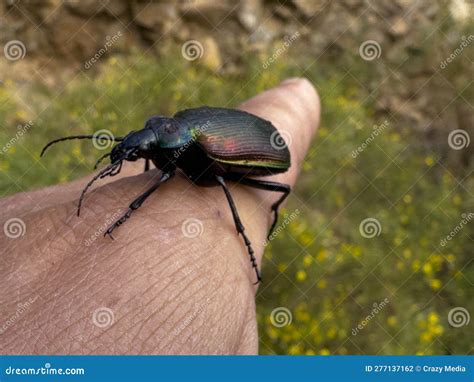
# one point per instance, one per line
(265, 33)
(399, 27)
(154, 15)
(92, 7)
(249, 14)
(310, 8)
(211, 56)
(208, 11)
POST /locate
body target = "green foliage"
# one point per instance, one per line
(319, 266)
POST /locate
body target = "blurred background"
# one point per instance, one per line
(373, 253)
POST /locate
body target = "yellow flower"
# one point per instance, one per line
(438, 330)
(457, 200)
(392, 321)
(407, 253)
(324, 351)
(307, 260)
(415, 265)
(321, 284)
(321, 256)
(429, 161)
(426, 337)
(332, 333)
(301, 276)
(295, 349)
(306, 238)
(433, 318)
(282, 267)
(310, 352)
(407, 198)
(427, 269)
(435, 284)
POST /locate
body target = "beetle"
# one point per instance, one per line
(210, 146)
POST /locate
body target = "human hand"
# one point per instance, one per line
(65, 289)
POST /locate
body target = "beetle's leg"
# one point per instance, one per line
(138, 202)
(239, 226)
(147, 165)
(264, 185)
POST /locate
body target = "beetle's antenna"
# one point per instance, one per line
(99, 137)
(101, 174)
(101, 159)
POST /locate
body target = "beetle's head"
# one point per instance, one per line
(135, 145)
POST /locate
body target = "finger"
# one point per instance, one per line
(31, 201)
(293, 107)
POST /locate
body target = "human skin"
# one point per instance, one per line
(165, 293)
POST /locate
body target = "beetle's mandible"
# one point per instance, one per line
(210, 146)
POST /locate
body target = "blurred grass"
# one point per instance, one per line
(320, 267)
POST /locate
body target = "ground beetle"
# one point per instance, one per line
(209, 145)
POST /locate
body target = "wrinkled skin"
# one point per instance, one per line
(169, 294)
